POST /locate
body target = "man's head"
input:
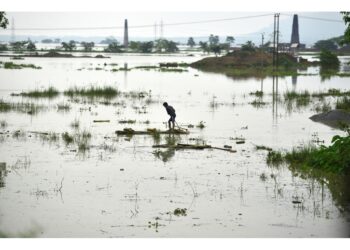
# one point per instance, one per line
(165, 104)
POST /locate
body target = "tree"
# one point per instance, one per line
(163, 45)
(31, 46)
(230, 39)
(191, 42)
(19, 45)
(346, 18)
(3, 20)
(145, 47)
(88, 46)
(248, 46)
(213, 40)
(325, 44)
(204, 46)
(114, 47)
(69, 46)
(3, 47)
(328, 59)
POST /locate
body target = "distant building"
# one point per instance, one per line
(295, 40)
(126, 34)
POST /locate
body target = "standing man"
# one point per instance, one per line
(171, 111)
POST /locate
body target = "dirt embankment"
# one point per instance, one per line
(333, 118)
(244, 59)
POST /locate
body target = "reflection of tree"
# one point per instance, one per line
(337, 184)
(166, 155)
(2, 174)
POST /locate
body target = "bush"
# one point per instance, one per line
(329, 59)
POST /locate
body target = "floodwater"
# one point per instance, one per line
(120, 188)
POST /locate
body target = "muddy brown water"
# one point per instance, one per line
(119, 188)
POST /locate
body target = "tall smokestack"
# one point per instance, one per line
(126, 35)
(295, 30)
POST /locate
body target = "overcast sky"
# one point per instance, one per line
(231, 27)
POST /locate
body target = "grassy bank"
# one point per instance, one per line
(334, 158)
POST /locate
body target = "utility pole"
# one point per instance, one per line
(155, 31)
(161, 28)
(262, 48)
(13, 31)
(278, 35)
(276, 24)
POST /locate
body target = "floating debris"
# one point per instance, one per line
(101, 120)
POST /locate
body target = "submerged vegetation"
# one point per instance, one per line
(11, 65)
(92, 92)
(51, 92)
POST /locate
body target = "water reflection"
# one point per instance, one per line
(275, 98)
(3, 174)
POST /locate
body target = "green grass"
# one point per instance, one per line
(201, 125)
(343, 103)
(11, 65)
(274, 158)
(257, 93)
(51, 92)
(334, 158)
(21, 107)
(67, 138)
(258, 103)
(92, 92)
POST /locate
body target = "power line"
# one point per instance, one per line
(316, 18)
(145, 26)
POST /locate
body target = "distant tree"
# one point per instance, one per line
(216, 49)
(204, 46)
(145, 47)
(109, 40)
(249, 46)
(87, 46)
(325, 44)
(3, 47)
(47, 40)
(19, 45)
(230, 39)
(3, 20)
(57, 40)
(329, 59)
(114, 47)
(191, 42)
(72, 45)
(69, 46)
(346, 18)
(133, 45)
(31, 46)
(163, 45)
(213, 40)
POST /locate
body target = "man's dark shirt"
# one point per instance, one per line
(170, 110)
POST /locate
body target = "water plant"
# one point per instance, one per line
(11, 65)
(201, 125)
(50, 92)
(92, 92)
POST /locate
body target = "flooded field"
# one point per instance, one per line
(66, 173)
